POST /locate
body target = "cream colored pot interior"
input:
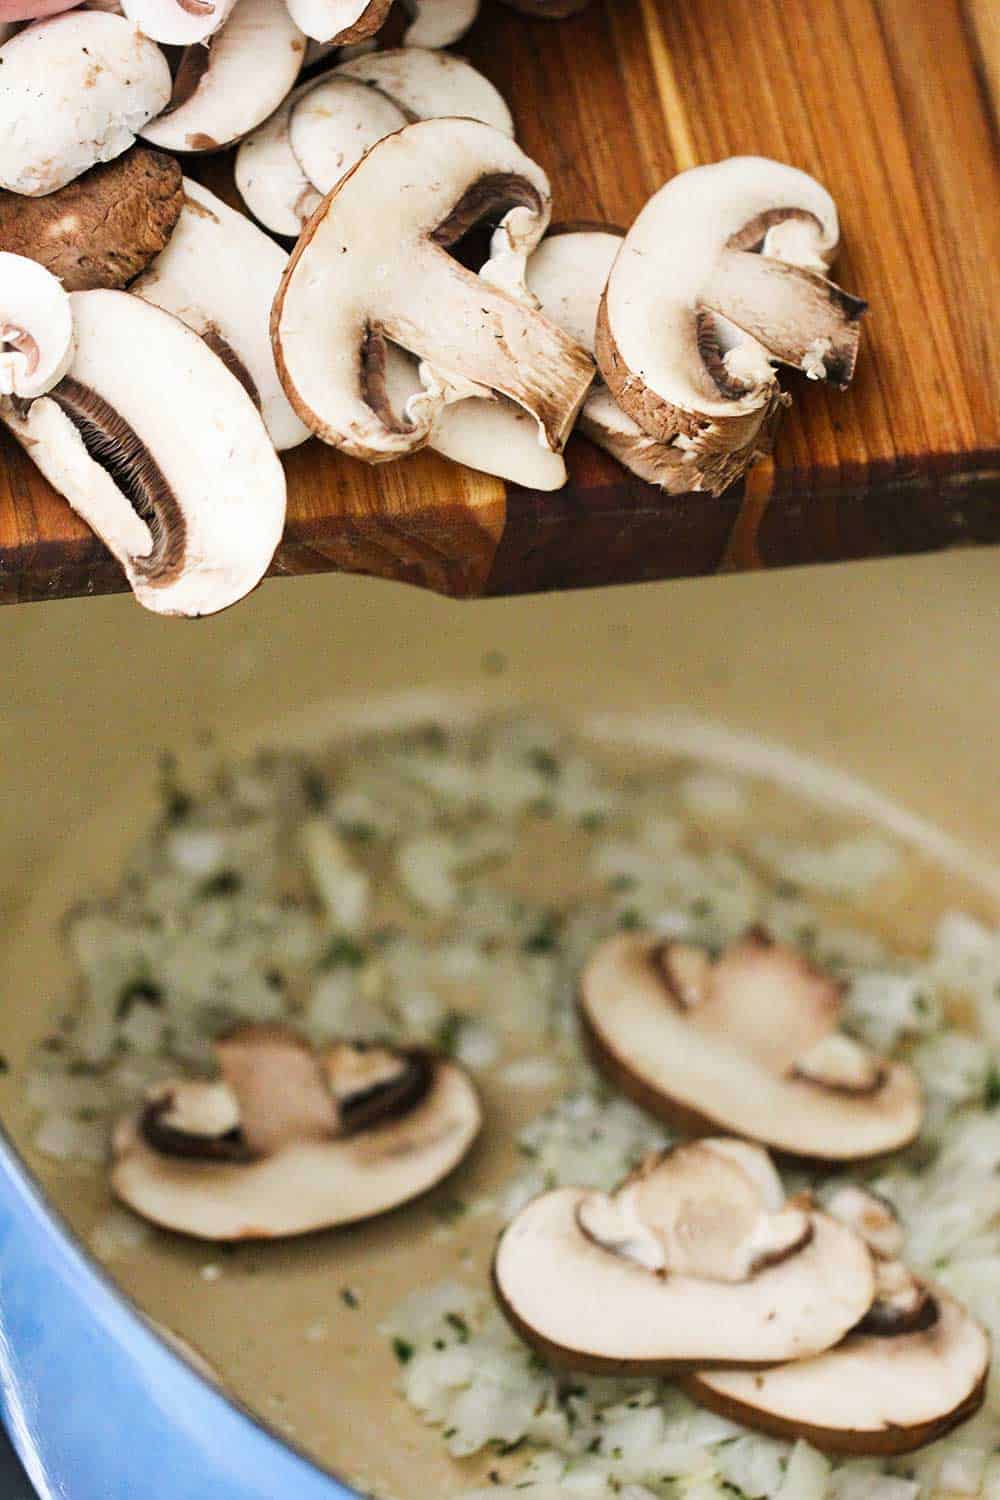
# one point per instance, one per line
(885, 673)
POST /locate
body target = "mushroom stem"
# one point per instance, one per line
(21, 341)
(801, 318)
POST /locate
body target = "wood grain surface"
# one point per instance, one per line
(891, 103)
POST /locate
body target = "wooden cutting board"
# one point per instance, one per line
(891, 103)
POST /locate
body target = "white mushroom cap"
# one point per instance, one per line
(188, 493)
(341, 21)
(219, 275)
(693, 319)
(36, 328)
(494, 436)
(332, 127)
(697, 1271)
(870, 1395)
(424, 85)
(324, 1140)
(178, 23)
(430, 84)
(706, 1045)
(413, 194)
(438, 23)
(251, 65)
(76, 91)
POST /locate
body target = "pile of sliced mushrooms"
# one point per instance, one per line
(171, 346)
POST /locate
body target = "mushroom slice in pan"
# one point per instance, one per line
(219, 275)
(293, 1141)
(36, 329)
(340, 21)
(178, 23)
(188, 493)
(103, 229)
(710, 289)
(424, 85)
(335, 124)
(903, 1302)
(429, 85)
(224, 90)
(76, 91)
(413, 195)
(438, 23)
(689, 1263)
(747, 1043)
(874, 1393)
(494, 436)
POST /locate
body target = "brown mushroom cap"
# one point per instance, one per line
(870, 1395)
(322, 1140)
(746, 1044)
(693, 1262)
(103, 229)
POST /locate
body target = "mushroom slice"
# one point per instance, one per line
(340, 21)
(424, 85)
(224, 91)
(195, 1119)
(869, 1215)
(686, 1264)
(438, 23)
(103, 229)
(430, 85)
(178, 23)
(188, 493)
(332, 127)
(219, 275)
(322, 1139)
(268, 175)
(903, 1302)
(494, 436)
(699, 306)
(747, 1043)
(36, 329)
(568, 273)
(414, 194)
(76, 91)
(871, 1394)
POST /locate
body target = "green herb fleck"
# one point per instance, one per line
(545, 936)
(348, 1297)
(450, 1210)
(629, 920)
(138, 992)
(403, 1351)
(225, 883)
(461, 1327)
(449, 1032)
(544, 762)
(343, 953)
(622, 883)
(991, 1089)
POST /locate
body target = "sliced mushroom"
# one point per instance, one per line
(225, 90)
(319, 1140)
(188, 493)
(424, 85)
(903, 1302)
(414, 194)
(36, 329)
(178, 23)
(568, 273)
(335, 124)
(686, 1264)
(219, 275)
(340, 21)
(711, 288)
(494, 436)
(871, 1216)
(103, 229)
(721, 1045)
(429, 85)
(77, 89)
(871, 1394)
(438, 23)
